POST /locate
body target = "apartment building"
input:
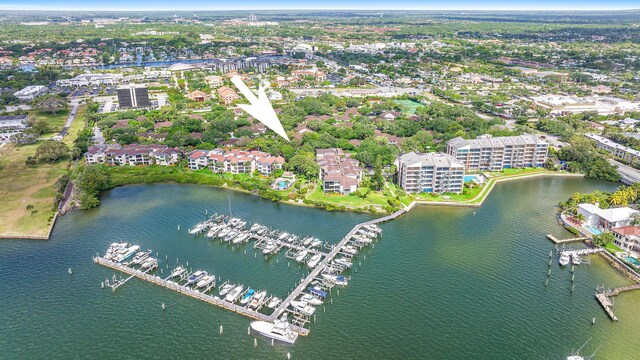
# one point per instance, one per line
(133, 154)
(617, 150)
(431, 172)
(487, 153)
(227, 95)
(339, 173)
(235, 161)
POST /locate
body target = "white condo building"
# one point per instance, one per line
(487, 153)
(430, 172)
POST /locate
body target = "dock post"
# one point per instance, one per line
(163, 307)
(593, 321)
(249, 330)
(255, 342)
(221, 330)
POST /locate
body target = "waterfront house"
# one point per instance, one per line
(339, 173)
(605, 219)
(627, 237)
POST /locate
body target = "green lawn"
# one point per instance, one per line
(54, 121)
(75, 128)
(409, 106)
(612, 248)
(373, 198)
(514, 172)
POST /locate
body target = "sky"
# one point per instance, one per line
(173, 5)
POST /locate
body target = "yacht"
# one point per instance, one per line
(575, 259)
(206, 281)
(269, 248)
(279, 330)
(126, 254)
(283, 236)
(343, 262)
(195, 277)
(177, 272)
(197, 229)
(307, 241)
(150, 263)
(274, 302)
(240, 239)
(255, 227)
(224, 232)
(349, 249)
(315, 243)
(247, 297)
(140, 257)
(303, 307)
(234, 294)
(241, 224)
(564, 259)
(301, 256)
(224, 290)
(257, 299)
(114, 249)
(313, 262)
(311, 300)
(336, 279)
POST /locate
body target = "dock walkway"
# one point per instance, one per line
(192, 293)
(565, 241)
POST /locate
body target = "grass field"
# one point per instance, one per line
(20, 186)
(55, 121)
(373, 198)
(409, 106)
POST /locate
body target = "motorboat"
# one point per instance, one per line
(177, 272)
(269, 248)
(283, 236)
(197, 229)
(317, 291)
(278, 330)
(224, 232)
(140, 257)
(206, 281)
(303, 307)
(240, 239)
(195, 277)
(315, 243)
(349, 249)
(247, 297)
(564, 259)
(234, 294)
(255, 227)
(232, 234)
(257, 299)
(343, 262)
(126, 254)
(241, 224)
(575, 259)
(311, 300)
(114, 249)
(224, 290)
(336, 279)
(313, 262)
(301, 256)
(273, 303)
(149, 263)
(307, 241)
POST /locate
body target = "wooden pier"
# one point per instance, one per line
(565, 241)
(192, 293)
(604, 298)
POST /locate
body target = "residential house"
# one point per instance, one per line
(339, 173)
(606, 219)
(227, 95)
(198, 96)
(627, 237)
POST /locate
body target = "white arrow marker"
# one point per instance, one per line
(259, 107)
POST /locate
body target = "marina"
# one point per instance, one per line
(326, 270)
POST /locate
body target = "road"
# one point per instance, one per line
(628, 174)
(98, 138)
(72, 116)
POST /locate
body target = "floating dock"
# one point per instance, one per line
(565, 241)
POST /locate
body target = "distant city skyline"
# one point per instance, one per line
(194, 5)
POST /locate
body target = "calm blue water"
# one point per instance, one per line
(443, 283)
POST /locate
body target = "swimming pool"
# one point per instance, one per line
(592, 230)
(282, 185)
(633, 261)
(468, 178)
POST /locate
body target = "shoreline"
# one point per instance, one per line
(475, 202)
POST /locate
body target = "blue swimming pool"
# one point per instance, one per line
(633, 261)
(468, 178)
(282, 185)
(592, 230)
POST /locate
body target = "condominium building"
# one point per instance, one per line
(487, 153)
(133, 154)
(133, 97)
(431, 172)
(617, 150)
(31, 92)
(339, 173)
(226, 95)
(235, 161)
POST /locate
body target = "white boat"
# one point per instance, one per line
(246, 298)
(283, 236)
(224, 232)
(195, 277)
(149, 263)
(315, 243)
(269, 248)
(575, 259)
(255, 227)
(274, 302)
(301, 256)
(349, 249)
(564, 259)
(343, 262)
(303, 307)
(311, 300)
(224, 290)
(241, 224)
(177, 272)
(114, 249)
(234, 294)
(197, 229)
(307, 241)
(140, 257)
(206, 281)
(126, 254)
(279, 330)
(313, 262)
(257, 299)
(240, 239)
(336, 279)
